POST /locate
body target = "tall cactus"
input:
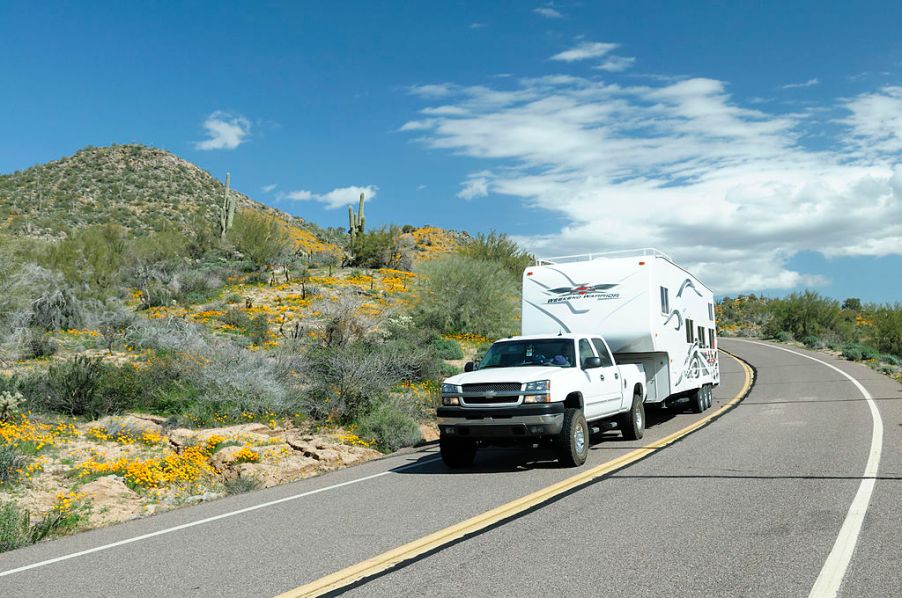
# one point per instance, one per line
(227, 211)
(356, 222)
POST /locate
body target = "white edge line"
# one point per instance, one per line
(176, 528)
(834, 570)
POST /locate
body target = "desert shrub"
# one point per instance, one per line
(258, 329)
(344, 381)
(886, 328)
(241, 485)
(389, 425)
(75, 388)
(807, 314)
(448, 370)
(499, 248)
(195, 286)
(813, 342)
(34, 343)
(458, 294)
(11, 402)
(379, 248)
(260, 237)
(12, 462)
(448, 348)
(14, 526)
(859, 352)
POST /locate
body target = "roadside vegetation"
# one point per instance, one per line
(161, 364)
(869, 333)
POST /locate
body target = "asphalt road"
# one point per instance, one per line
(750, 505)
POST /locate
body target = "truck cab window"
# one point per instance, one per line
(585, 350)
(603, 353)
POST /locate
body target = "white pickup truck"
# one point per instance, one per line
(544, 389)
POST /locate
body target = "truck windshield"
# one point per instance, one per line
(512, 354)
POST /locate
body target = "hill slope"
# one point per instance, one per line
(139, 187)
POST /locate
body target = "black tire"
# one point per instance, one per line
(457, 452)
(573, 443)
(632, 423)
(697, 400)
(709, 396)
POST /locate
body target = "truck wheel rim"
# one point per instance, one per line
(579, 439)
(637, 419)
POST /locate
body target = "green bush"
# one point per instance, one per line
(14, 526)
(260, 237)
(458, 294)
(886, 329)
(859, 352)
(448, 348)
(76, 388)
(390, 426)
(16, 529)
(499, 248)
(813, 342)
(241, 485)
(376, 249)
(807, 314)
(783, 336)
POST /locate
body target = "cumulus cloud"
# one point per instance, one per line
(548, 11)
(335, 198)
(224, 130)
(808, 83)
(726, 189)
(584, 51)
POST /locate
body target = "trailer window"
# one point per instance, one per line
(585, 351)
(690, 331)
(711, 311)
(712, 338)
(603, 353)
(665, 300)
(701, 337)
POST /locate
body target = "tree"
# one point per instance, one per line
(260, 237)
(459, 294)
(498, 247)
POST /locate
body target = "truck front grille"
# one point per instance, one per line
(497, 387)
(491, 394)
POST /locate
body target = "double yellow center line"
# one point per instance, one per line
(421, 546)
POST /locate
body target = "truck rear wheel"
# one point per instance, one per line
(573, 443)
(632, 423)
(457, 452)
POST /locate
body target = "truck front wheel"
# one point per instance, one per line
(573, 443)
(457, 452)
(632, 423)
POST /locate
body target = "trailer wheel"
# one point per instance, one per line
(632, 423)
(457, 452)
(709, 396)
(697, 400)
(573, 443)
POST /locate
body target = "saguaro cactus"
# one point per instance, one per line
(357, 221)
(227, 211)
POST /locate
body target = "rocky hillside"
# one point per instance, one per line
(139, 187)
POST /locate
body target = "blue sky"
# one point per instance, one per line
(757, 143)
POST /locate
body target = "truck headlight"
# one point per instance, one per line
(450, 394)
(539, 386)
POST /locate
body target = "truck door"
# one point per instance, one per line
(609, 377)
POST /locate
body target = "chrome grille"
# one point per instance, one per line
(496, 387)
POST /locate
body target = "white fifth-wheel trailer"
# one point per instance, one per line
(649, 310)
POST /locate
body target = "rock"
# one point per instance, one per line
(223, 458)
(429, 432)
(198, 498)
(112, 500)
(244, 433)
(293, 467)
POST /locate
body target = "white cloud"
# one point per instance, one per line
(584, 51)
(616, 64)
(430, 91)
(269, 188)
(727, 189)
(808, 83)
(224, 131)
(335, 198)
(476, 25)
(477, 185)
(876, 120)
(548, 11)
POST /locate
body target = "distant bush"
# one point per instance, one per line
(783, 336)
(807, 314)
(859, 352)
(886, 328)
(448, 348)
(260, 237)
(498, 247)
(74, 388)
(390, 426)
(458, 294)
(12, 463)
(813, 342)
(241, 485)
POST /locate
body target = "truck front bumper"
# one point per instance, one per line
(524, 421)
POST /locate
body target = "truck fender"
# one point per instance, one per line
(574, 400)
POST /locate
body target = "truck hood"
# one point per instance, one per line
(521, 375)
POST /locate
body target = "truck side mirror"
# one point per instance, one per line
(591, 363)
(469, 366)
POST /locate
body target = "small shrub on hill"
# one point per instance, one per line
(499, 248)
(448, 348)
(390, 426)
